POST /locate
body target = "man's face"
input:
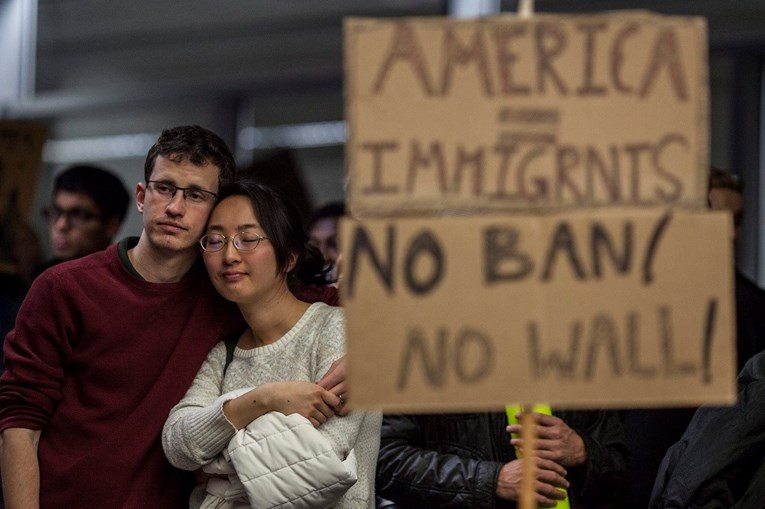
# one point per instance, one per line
(728, 199)
(323, 235)
(174, 223)
(76, 227)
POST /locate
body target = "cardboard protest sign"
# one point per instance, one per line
(20, 157)
(604, 308)
(505, 113)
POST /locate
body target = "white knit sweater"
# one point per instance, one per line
(197, 431)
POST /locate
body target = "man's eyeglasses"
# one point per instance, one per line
(74, 216)
(243, 241)
(190, 194)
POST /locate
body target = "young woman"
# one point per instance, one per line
(255, 250)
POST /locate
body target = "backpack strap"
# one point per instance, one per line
(231, 342)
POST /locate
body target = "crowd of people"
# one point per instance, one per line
(201, 364)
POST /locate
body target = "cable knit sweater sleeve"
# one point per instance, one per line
(197, 430)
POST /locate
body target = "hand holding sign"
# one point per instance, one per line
(549, 478)
(555, 440)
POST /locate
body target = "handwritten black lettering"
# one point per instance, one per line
(653, 247)
(675, 183)
(473, 161)
(636, 367)
(550, 43)
(404, 48)
(361, 244)
(601, 241)
(520, 59)
(563, 242)
(618, 58)
(446, 357)
(518, 173)
(432, 359)
(672, 367)
(502, 259)
(377, 149)
(506, 59)
(421, 160)
(596, 344)
(425, 244)
(706, 350)
(589, 87)
(666, 54)
(604, 337)
(457, 54)
(563, 364)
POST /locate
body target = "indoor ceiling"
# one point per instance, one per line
(94, 53)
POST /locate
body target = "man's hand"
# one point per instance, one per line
(555, 441)
(309, 400)
(334, 381)
(305, 398)
(548, 487)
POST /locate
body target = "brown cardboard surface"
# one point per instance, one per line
(504, 113)
(602, 307)
(20, 157)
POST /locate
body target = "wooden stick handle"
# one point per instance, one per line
(526, 8)
(528, 435)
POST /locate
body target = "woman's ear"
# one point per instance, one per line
(291, 264)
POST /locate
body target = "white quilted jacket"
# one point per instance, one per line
(279, 461)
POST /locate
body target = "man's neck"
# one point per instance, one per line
(163, 266)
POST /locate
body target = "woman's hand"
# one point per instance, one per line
(305, 398)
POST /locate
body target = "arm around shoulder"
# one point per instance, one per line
(20, 468)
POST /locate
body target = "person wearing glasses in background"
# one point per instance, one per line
(256, 252)
(87, 208)
(86, 211)
(105, 345)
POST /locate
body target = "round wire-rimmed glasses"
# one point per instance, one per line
(243, 241)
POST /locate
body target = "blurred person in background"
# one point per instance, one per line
(651, 432)
(86, 211)
(726, 193)
(322, 233)
(87, 208)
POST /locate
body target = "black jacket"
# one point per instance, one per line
(720, 460)
(453, 460)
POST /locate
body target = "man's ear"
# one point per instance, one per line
(140, 195)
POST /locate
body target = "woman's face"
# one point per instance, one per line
(241, 276)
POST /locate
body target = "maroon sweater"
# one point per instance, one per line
(96, 361)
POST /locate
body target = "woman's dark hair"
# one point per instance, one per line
(282, 222)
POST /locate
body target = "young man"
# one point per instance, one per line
(86, 212)
(105, 345)
(322, 233)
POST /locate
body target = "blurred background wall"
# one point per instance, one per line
(105, 76)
